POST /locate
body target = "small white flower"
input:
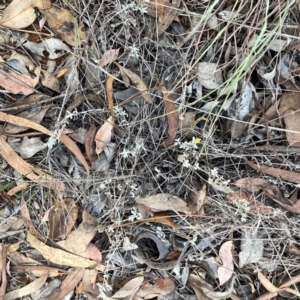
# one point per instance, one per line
(125, 153)
(186, 164)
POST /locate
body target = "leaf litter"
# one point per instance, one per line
(209, 214)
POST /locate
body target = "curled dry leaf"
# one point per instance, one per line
(172, 116)
(103, 135)
(162, 218)
(65, 25)
(20, 14)
(162, 202)
(26, 290)
(18, 83)
(209, 75)
(67, 285)
(62, 217)
(128, 290)
(225, 272)
(136, 81)
(197, 200)
(63, 138)
(61, 257)
(165, 11)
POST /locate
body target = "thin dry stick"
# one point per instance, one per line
(3, 272)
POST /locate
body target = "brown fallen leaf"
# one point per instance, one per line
(38, 271)
(267, 296)
(128, 76)
(109, 93)
(162, 218)
(197, 200)
(62, 217)
(225, 272)
(18, 83)
(79, 240)
(162, 202)
(129, 289)
(108, 57)
(88, 144)
(3, 276)
(26, 290)
(172, 116)
(67, 285)
(255, 205)
(63, 138)
(155, 287)
(61, 257)
(88, 283)
(26, 169)
(65, 25)
(165, 11)
(20, 14)
(272, 288)
(35, 117)
(284, 174)
(103, 135)
(289, 111)
(271, 190)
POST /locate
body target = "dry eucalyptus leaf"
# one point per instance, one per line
(35, 117)
(69, 283)
(289, 110)
(137, 82)
(18, 83)
(165, 11)
(79, 239)
(55, 47)
(197, 283)
(156, 287)
(272, 288)
(65, 25)
(79, 135)
(209, 75)
(26, 290)
(163, 202)
(38, 271)
(26, 169)
(62, 217)
(63, 138)
(61, 257)
(225, 272)
(103, 135)
(129, 288)
(20, 14)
